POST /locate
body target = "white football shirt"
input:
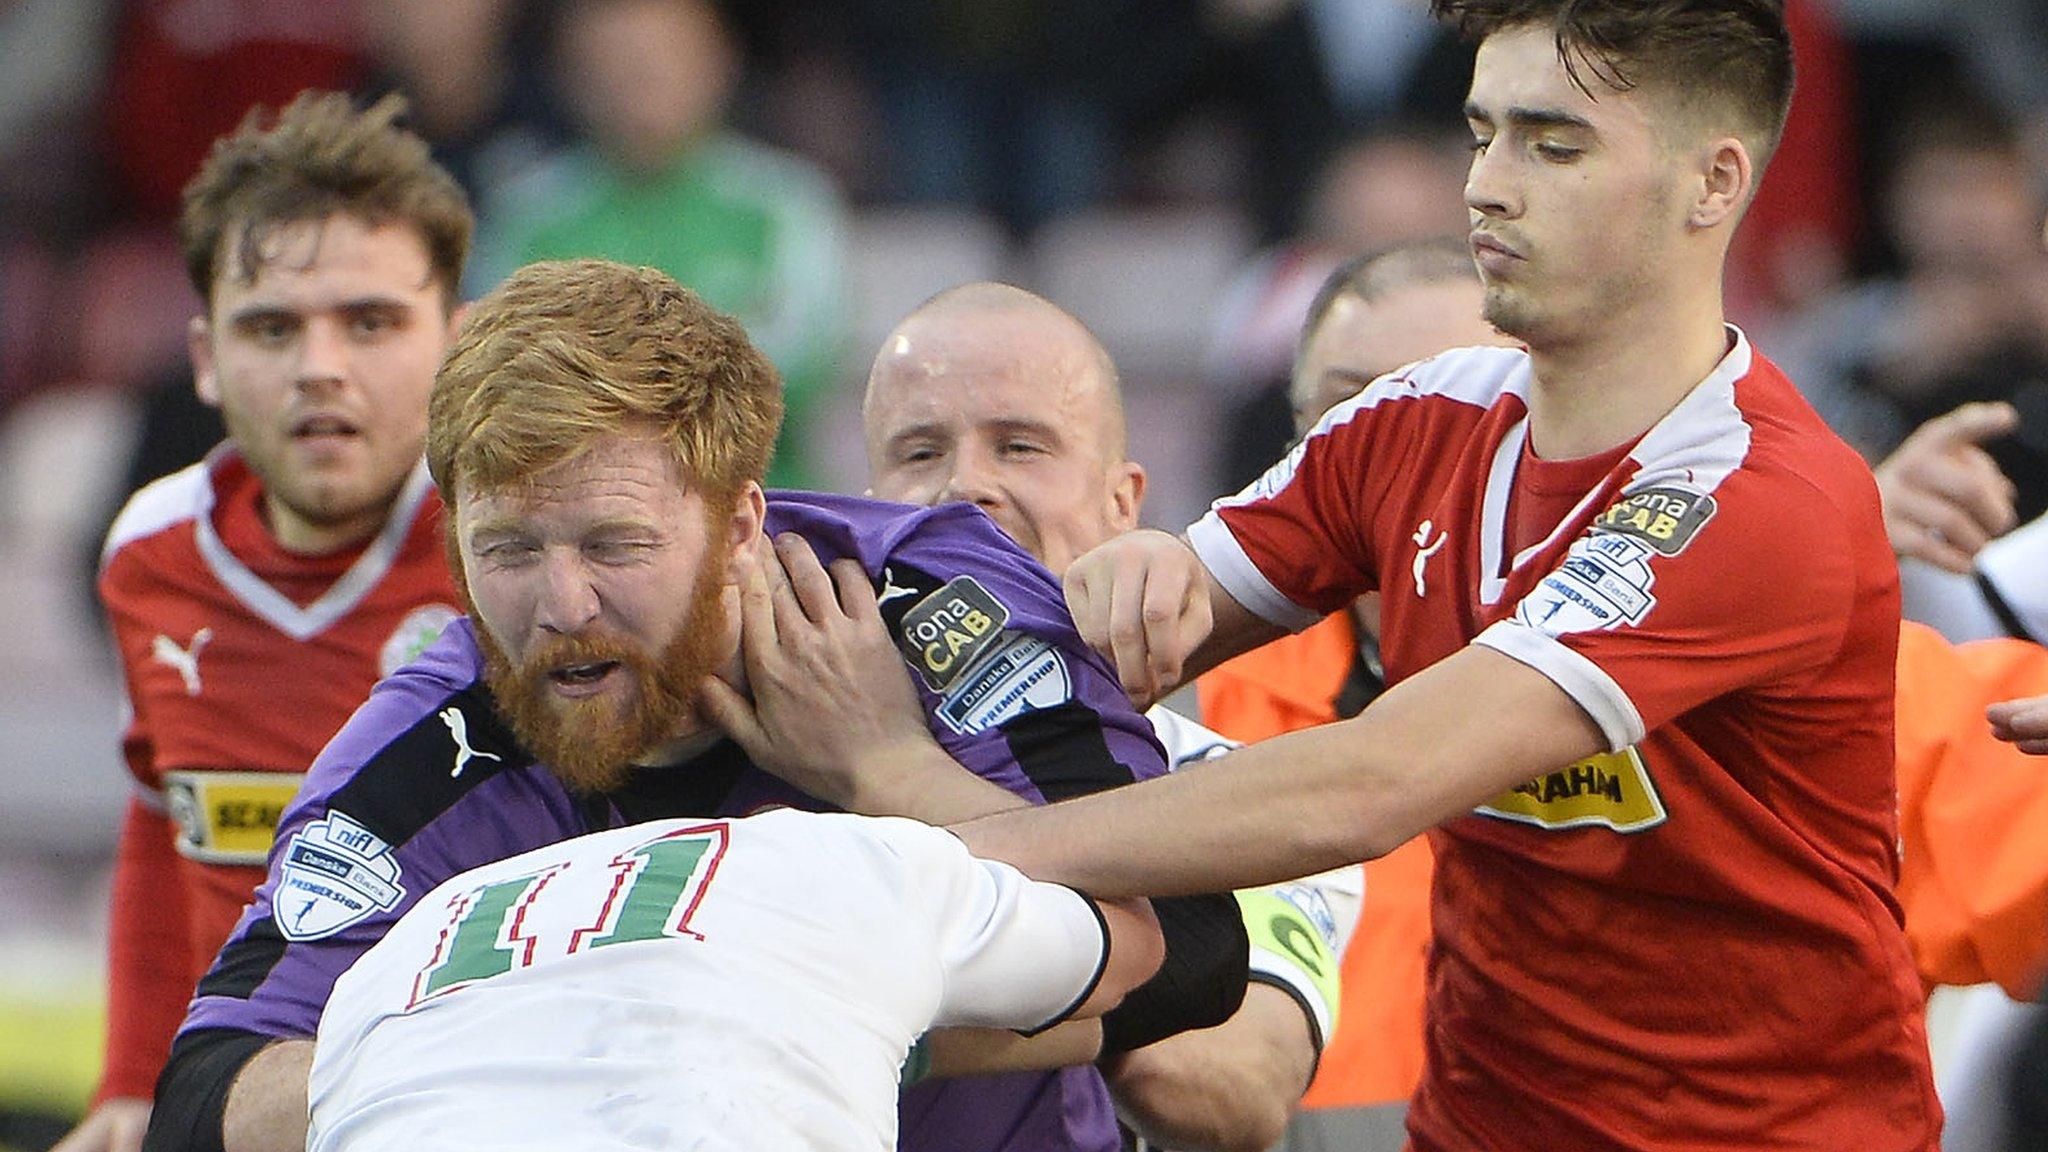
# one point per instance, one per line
(709, 984)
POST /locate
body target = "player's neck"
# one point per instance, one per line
(306, 537)
(1590, 395)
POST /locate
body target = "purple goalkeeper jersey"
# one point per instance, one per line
(426, 781)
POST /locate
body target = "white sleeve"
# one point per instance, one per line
(1013, 952)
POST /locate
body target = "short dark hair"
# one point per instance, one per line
(317, 158)
(1734, 53)
(1374, 274)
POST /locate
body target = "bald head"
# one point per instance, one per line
(991, 333)
(992, 395)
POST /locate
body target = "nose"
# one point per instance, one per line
(972, 481)
(323, 353)
(1487, 189)
(568, 598)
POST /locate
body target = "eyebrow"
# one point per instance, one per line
(1525, 118)
(256, 311)
(927, 430)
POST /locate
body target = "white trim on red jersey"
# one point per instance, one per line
(1475, 376)
(188, 495)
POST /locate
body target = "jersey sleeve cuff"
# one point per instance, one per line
(1584, 681)
(1093, 981)
(1226, 560)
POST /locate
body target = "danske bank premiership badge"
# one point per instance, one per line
(336, 873)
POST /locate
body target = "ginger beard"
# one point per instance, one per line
(590, 744)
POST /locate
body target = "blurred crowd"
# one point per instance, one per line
(784, 158)
(1181, 174)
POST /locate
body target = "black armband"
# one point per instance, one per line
(1201, 982)
(192, 1091)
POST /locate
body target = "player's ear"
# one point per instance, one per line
(1727, 178)
(1127, 495)
(199, 345)
(744, 523)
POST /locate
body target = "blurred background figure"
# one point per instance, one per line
(471, 76)
(657, 178)
(1963, 316)
(1397, 183)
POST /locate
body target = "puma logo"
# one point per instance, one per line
(890, 589)
(458, 729)
(1424, 550)
(185, 660)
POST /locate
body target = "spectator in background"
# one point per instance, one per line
(1796, 241)
(1395, 184)
(1966, 316)
(658, 180)
(1005, 107)
(467, 73)
(182, 74)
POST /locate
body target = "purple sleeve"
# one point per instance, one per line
(383, 818)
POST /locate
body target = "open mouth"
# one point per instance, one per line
(324, 427)
(581, 675)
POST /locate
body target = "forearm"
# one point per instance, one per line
(929, 785)
(1260, 815)
(1430, 748)
(229, 1089)
(1225, 1089)
(266, 1110)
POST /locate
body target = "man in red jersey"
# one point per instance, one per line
(256, 596)
(1639, 615)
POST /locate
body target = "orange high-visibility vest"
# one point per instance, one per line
(1973, 814)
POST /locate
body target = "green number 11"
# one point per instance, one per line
(656, 887)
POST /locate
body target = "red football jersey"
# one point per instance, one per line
(1692, 941)
(240, 660)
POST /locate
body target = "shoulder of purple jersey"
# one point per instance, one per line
(945, 540)
(450, 665)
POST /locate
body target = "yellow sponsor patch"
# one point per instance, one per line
(1665, 518)
(1611, 790)
(229, 817)
(947, 631)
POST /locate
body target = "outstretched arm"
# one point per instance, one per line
(1309, 800)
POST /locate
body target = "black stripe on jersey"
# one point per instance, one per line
(697, 787)
(401, 789)
(900, 588)
(1064, 752)
(2007, 618)
(410, 781)
(245, 961)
